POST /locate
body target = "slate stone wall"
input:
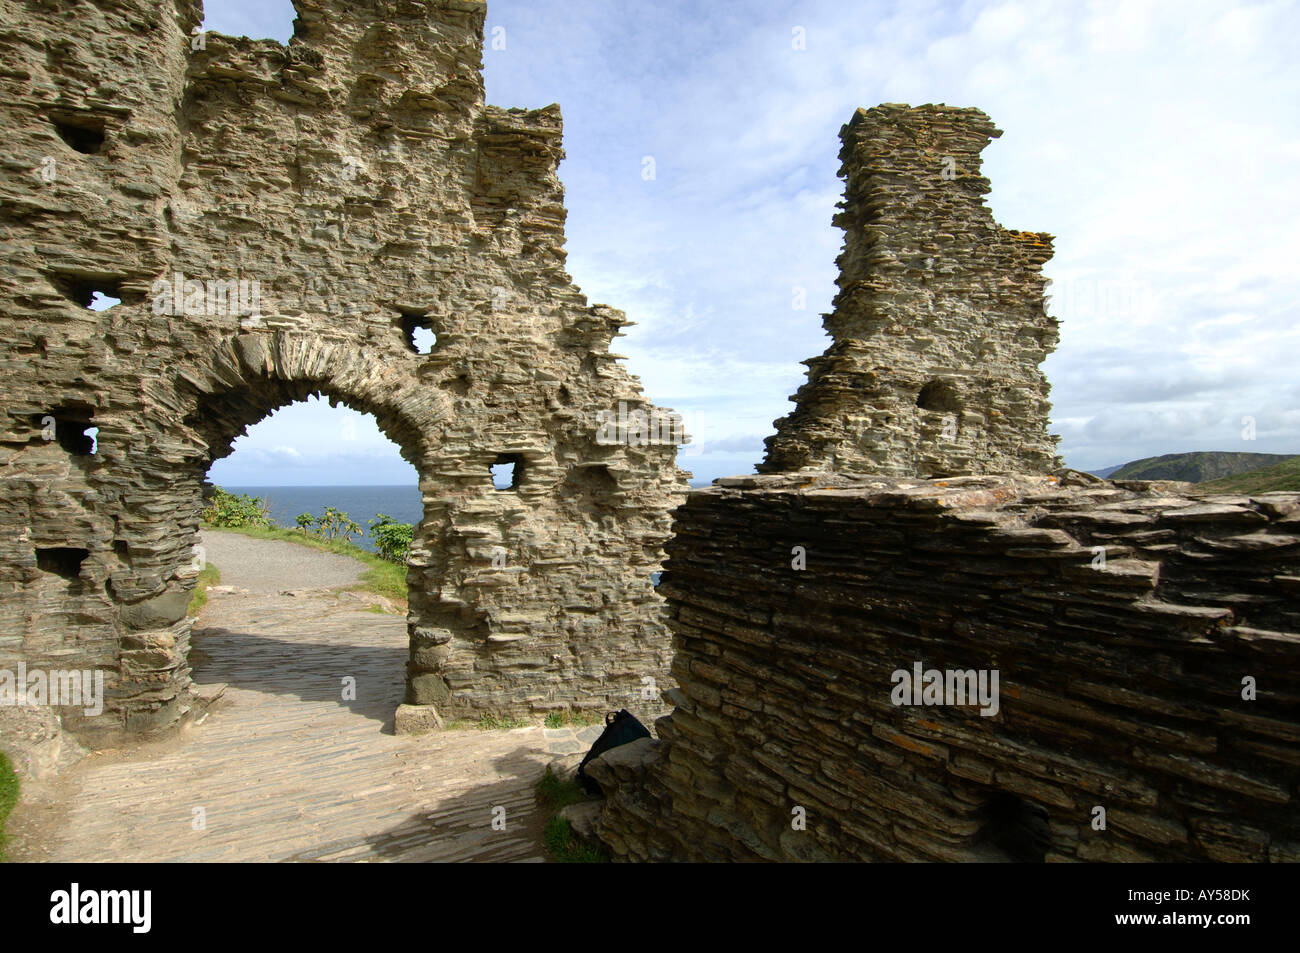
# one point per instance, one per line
(1122, 621)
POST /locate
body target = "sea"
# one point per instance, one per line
(361, 503)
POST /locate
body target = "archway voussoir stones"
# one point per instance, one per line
(520, 598)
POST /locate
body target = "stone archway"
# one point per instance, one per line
(254, 374)
(483, 575)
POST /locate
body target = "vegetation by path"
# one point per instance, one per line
(381, 576)
(331, 532)
(558, 838)
(209, 575)
(566, 718)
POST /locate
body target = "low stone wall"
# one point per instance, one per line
(1125, 623)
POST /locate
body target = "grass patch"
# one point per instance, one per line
(493, 723)
(565, 847)
(381, 576)
(554, 793)
(8, 796)
(209, 575)
(563, 719)
(484, 723)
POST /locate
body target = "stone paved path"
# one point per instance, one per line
(282, 768)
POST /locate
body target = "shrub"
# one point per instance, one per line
(392, 539)
(231, 510)
(336, 524)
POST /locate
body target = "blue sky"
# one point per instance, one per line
(1158, 141)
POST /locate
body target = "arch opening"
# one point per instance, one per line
(319, 474)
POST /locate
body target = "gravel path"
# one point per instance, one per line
(271, 565)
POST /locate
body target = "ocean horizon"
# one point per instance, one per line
(361, 502)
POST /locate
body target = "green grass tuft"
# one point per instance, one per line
(8, 796)
(562, 719)
(209, 575)
(559, 841)
(493, 723)
(553, 793)
(565, 847)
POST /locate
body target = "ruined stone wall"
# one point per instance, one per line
(358, 177)
(1134, 651)
(1120, 681)
(940, 323)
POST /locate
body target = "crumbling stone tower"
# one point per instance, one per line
(309, 206)
(939, 326)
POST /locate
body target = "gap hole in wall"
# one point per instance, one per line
(417, 330)
(508, 471)
(1019, 828)
(595, 482)
(83, 132)
(939, 396)
(96, 293)
(63, 561)
(71, 428)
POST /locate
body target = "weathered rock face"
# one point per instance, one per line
(940, 323)
(276, 222)
(1121, 621)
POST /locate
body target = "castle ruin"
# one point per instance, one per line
(940, 323)
(276, 222)
(914, 637)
